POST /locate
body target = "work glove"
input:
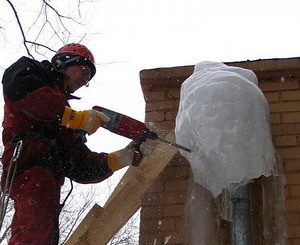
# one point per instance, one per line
(88, 120)
(133, 154)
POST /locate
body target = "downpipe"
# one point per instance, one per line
(241, 218)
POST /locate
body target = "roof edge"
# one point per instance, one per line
(254, 65)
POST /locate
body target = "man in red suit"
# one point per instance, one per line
(38, 118)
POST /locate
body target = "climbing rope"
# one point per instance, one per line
(9, 181)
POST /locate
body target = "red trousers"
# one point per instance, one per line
(36, 193)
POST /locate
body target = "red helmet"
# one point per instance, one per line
(74, 54)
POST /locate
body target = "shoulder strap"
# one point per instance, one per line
(25, 76)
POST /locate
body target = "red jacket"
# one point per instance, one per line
(34, 104)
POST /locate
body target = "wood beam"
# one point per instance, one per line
(78, 237)
(126, 198)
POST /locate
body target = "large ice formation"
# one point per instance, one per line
(224, 118)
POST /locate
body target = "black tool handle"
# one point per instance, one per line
(137, 154)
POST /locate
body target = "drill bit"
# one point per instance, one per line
(175, 145)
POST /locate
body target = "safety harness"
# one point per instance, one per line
(51, 160)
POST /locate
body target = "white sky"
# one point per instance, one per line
(140, 34)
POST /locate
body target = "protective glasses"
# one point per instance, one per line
(86, 74)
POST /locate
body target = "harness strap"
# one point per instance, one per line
(50, 160)
(39, 135)
(39, 161)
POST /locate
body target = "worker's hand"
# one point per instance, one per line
(125, 157)
(89, 120)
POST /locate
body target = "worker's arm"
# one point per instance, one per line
(88, 120)
(35, 92)
(86, 166)
(91, 167)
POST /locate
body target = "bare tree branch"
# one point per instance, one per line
(20, 27)
(55, 10)
(41, 45)
(60, 31)
(72, 214)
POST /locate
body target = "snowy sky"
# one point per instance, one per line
(139, 34)
(131, 35)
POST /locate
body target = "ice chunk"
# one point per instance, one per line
(224, 118)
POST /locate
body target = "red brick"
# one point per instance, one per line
(180, 223)
(285, 107)
(173, 94)
(175, 238)
(155, 116)
(177, 185)
(150, 239)
(287, 191)
(179, 172)
(285, 129)
(157, 186)
(290, 95)
(164, 127)
(157, 95)
(179, 162)
(293, 218)
(289, 152)
(160, 105)
(171, 115)
(177, 103)
(271, 97)
(295, 191)
(166, 224)
(292, 178)
(151, 211)
(285, 140)
(293, 204)
(150, 225)
(275, 118)
(277, 86)
(292, 165)
(293, 231)
(152, 198)
(173, 210)
(164, 175)
(292, 117)
(173, 197)
(295, 241)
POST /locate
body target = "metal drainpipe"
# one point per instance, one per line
(241, 219)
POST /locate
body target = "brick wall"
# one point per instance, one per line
(163, 205)
(285, 119)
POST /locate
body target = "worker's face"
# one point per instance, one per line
(76, 76)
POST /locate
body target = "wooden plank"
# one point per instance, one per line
(126, 198)
(84, 225)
